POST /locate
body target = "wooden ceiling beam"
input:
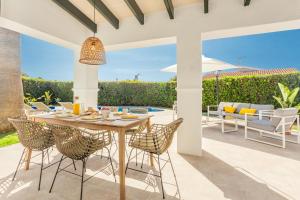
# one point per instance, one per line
(247, 2)
(206, 6)
(170, 8)
(105, 12)
(76, 13)
(136, 10)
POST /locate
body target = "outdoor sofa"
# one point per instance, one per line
(260, 110)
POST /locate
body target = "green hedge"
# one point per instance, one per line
(37, 87)
(249, 89)
(134, 93)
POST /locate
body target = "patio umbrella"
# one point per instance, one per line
(210, 65)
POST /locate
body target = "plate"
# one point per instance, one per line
(63, 115)
(128, 119)
(90, 117)
(132, 117)
(118, 113)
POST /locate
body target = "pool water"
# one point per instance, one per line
(150, 109)
(120, 108)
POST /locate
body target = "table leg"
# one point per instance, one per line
(148, 130)
(122, 164)
(27, 158)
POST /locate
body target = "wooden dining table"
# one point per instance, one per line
(118, 125)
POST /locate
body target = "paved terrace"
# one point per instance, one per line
(230, 168)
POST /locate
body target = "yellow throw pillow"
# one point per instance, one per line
(249, 111)
(229, 109)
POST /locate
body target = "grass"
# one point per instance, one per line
(8, 138)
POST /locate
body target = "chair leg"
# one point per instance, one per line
(136, 155)
(222, 125)
(74, 165)
(101, 155)
(112, 167)
(128, 160)
(174, 174)
(143, 160)
(47, 151)
(246, 131)
(161, 180)
(236, 125)
(82, 177)
(20, 161)
(41, 171)
(56, 174)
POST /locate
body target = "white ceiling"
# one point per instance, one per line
(120, 9)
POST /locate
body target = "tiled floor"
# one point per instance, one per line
(230, 168)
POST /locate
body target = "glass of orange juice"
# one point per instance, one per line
(76, 108)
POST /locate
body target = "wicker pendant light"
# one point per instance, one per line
(92, 50)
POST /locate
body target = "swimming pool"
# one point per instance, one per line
(120, 108)
(150, 109)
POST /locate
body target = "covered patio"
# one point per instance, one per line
(208, 165)
(229, 168)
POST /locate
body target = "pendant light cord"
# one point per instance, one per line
(94, 16)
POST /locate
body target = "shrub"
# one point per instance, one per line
(136, 93)
(37, 87)
(248, 89)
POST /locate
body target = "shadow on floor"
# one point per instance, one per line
(237, 138)
(231, 181)
(67, 186)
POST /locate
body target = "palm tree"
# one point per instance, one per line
(11, 89)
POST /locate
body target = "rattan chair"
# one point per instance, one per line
(156, 142)
(79, 144)
(130, 132)
(34, 136)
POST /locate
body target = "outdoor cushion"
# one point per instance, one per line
(223, 104)
(239, 106)
(229, 109)
(262, 125)
(218, 113)
(249, 111)
(259, 107)
(238, 116)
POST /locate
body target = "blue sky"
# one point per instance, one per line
(272, 50)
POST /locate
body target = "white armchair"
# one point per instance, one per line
(274, 125)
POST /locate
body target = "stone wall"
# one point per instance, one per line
(11, 89)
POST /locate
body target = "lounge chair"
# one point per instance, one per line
(41, 106)
(66, 105)
(274, 126)
(29, 111)
(138, 110)
(28, 107)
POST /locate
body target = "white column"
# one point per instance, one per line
(189, 93)
(85, 82)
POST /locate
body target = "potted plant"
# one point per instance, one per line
(287, 99)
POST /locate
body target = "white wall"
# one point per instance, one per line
(228, 17)
(85, 82)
